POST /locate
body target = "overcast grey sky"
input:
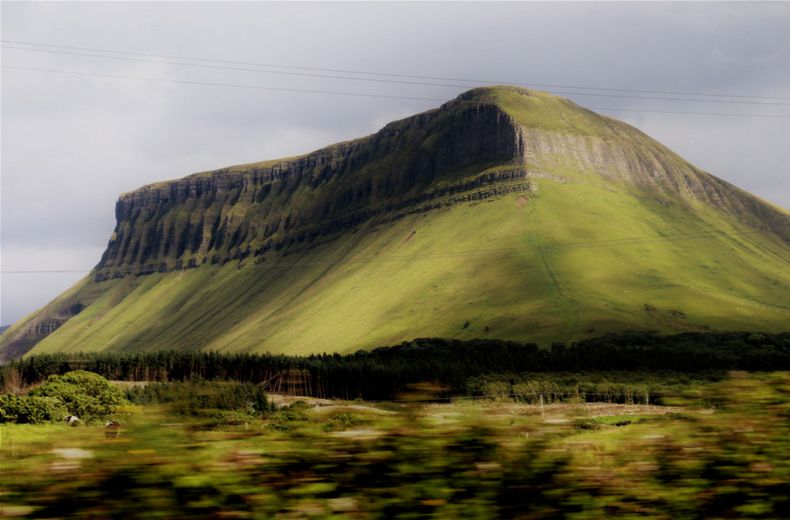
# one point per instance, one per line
(71, 144)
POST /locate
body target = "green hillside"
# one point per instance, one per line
(504, 214)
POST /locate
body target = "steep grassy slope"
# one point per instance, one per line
(504, 214)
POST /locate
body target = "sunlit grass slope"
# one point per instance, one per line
(579, 258)
(505, 213)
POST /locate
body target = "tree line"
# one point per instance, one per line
(384, 373)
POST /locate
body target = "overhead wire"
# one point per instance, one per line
(397, 75)
(405, 80)
(218, 84)
(351, 94)
(378, 80)
(43, 271)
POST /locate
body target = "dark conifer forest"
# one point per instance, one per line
(461, 368)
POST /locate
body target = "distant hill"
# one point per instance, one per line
(505, 213)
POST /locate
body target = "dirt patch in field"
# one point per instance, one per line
(327, 405)
(282, 400)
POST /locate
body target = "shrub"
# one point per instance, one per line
(84, 394)
(230, 418)
(30, 409)
(586, 423)
(289, 417)
(203, 398)
(342, 421)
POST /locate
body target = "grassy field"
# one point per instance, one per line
(316, 458)
(571, 271)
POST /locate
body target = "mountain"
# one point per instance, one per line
(505, 213)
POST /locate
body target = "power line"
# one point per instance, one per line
(396, 75)
(243, 69)
(402, 82)
(689, 112)
(352, 94)
(44, 271)
(215, 84)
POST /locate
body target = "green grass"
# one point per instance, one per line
(470, 460)
(547, 112)
(598, 247)
(577, 260)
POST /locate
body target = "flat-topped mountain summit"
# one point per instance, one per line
(505, 213)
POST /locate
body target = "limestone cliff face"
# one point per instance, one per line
(481, 145)
(465, 146)
(471, 147)
(627, 155)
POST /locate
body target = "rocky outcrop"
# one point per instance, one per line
(486, 143)
(411, 165)
(631, 157)
(471, 144)
(21, 340)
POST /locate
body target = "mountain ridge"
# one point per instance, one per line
(262, 184)
(317, 164)
(501, 172)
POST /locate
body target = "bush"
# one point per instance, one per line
(586, 423)
(30, 409)
(288, 418)
(203, 398)
(230, 418)
(343, 421)
(84, 394)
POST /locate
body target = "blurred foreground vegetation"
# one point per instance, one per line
(492, 458)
